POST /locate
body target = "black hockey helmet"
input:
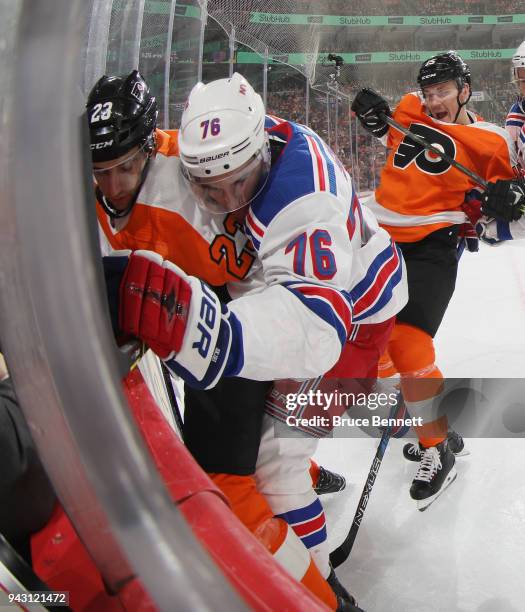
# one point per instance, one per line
(444, 67)
(121, 114)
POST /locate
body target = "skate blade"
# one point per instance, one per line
(463, 453)
(423, 504)
(342, 488)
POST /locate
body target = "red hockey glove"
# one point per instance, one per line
(468, 238)
(154, 302)
(181, 319)
(472, 208)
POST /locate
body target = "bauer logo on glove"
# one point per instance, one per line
(178, 316)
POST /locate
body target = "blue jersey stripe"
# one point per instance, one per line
(503, 230)
(256, 243)
(362, 287)
(300, 515)
(381, 285)
(324, 310)
(329, 163)
(385, 297)
(515, 123)
(315, 538)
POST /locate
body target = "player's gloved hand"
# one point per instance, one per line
(154, 302)
(179, 317)
(114, 267)
(493, 232)
(504, 200)
(367, 105)
(468, 238)
(472, 208)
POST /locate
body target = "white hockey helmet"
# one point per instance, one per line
(518, 61)
(222, 131)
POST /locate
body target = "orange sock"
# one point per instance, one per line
(275, 534)
(314, 472)
(386, 367)
(412, 351)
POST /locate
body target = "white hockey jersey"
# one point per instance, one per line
(308, 266)
(499, 231)
(515, 126)
(326, 264)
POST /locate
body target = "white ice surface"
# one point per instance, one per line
(466, 552)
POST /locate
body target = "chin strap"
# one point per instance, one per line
(462, 104)
(107, 205)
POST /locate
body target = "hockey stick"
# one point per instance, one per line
(171, 396)
(430, 147)
(340, 554)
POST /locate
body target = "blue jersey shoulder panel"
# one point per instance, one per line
(304, 166)
(516, 114)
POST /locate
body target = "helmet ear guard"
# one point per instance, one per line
(121, 114)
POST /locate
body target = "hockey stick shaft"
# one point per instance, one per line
(340, 554)
(430, 147)
(168, 383)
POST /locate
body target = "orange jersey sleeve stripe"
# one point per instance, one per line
(412, 234)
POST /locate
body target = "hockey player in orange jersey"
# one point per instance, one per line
(143, 203)
(420, 201)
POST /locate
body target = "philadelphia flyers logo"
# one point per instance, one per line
(409, 151)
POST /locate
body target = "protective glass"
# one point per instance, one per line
(233, 190)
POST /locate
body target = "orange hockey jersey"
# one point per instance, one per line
(420, 192)
(166, 219)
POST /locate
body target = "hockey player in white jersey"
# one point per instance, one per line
(330, 276)
(503, 204)
(515, 122)
(320, 250)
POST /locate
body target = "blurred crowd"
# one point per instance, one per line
(362, 155)
(411, 7)
(343, 134)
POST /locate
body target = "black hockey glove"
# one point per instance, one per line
(504, 200)
(367, 105)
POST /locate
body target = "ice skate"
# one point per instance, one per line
(436, 472)
(345, 601)
(412, 450)
(329, 482)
